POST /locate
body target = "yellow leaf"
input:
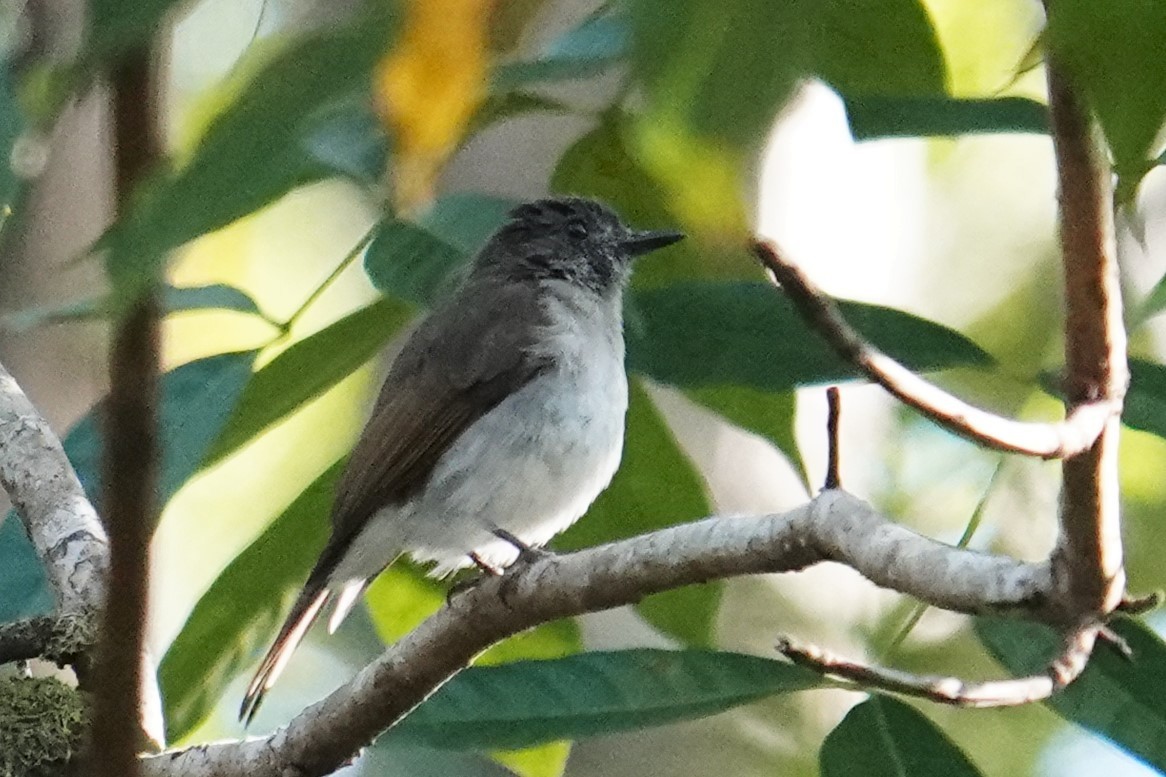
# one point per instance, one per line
(429, 87)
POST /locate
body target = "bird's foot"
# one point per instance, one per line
(527, 553)
(486, 569)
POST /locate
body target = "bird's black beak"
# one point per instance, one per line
(643, 242)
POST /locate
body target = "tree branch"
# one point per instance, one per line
(833, 527)
(130, 458)
(62, 524)
(1059, 672)
(1087, 561)
(1077, 432)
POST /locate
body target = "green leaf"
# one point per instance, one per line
(716, 65)
(873, 117)
(1118, 698)
(550, 640)
(246, 604)
(1114, 53)
(1145, 402)
(184, 299)
(391, 756)
(498, 107)
(24, 589)
(602, 165)
(531, 702)
(346, 137)
(871, 47)
(308, 369)
(420, 260)
(640, 500)
(265, 144)
(195, 400)
(410, 262)
(767, 414)
(465, 220)
(710, 334)
(587, 50)
(117, 25)
(885, 737)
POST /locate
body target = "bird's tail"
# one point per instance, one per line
(303, 613)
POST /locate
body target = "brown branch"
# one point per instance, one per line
(1061, 671)
(835, 526)
(834, 413)
(1077, 432)
(130, 457)
(1087, 561)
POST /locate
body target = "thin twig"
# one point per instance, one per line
(834, 413)
(348, 259)
(1075, 433)
(1061, 671)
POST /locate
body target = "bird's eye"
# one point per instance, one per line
(576, 229)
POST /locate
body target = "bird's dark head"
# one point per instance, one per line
(570, 239)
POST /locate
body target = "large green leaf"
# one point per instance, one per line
(195, 401)
(717, 65)
(1145, 402)
(265, 144)
(602, 165)
(587, 50)
(419, 260)
(589, 694)
(883, 737)
(392, 756)
(24, 589)
(1123, 700)
(656, 486)
(1114, 53)
(872, 117)
(308, 369)
(748, 334)
(243, 608)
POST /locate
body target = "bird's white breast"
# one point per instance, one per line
(530, 466)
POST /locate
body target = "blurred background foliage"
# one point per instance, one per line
(330, 167)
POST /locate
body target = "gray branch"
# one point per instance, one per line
(60, 521)
(833, 527)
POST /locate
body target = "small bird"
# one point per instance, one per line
(500, 421)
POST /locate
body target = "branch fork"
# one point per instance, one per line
(1076, 589)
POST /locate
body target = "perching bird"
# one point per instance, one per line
(499, 423)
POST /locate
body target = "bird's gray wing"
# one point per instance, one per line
(457, 366)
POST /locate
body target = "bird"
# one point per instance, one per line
(499, 422)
